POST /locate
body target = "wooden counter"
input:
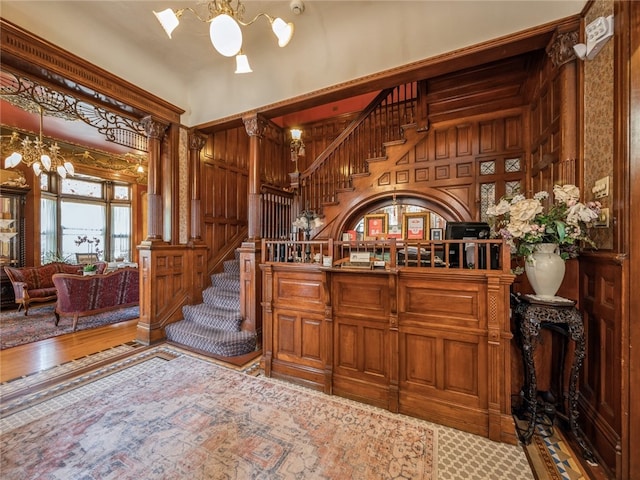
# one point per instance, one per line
(426, 342)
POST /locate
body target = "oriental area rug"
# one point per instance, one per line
(18, 329)
(165, 413)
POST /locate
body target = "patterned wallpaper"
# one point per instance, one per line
(598, 121)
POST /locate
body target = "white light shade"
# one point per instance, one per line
(226, 36)
(69, 168)
(168, 20)
(581, 50)
(12, 160)
(282, 30)
(37, 169)
(242, 64)
(296, 133)
(46, 162)
(61, 171)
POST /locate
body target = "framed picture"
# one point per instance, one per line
(395, 231)
(375, 225)
(415, 226)
(436, 234)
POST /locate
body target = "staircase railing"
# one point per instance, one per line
(362, 141)
(277, 213)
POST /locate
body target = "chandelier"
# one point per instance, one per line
(225, 21)
(37, 154)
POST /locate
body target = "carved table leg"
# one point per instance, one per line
(529, 332)
(577, 334)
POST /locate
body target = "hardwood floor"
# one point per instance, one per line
(37, 356)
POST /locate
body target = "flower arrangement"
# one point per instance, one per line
(306, 221)
(91, 242)
(525, 222)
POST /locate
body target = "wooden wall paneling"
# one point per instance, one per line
(296, 335)
(169, 272)
(361, 338)
(601, 379)
(443, 352)
(513, 133)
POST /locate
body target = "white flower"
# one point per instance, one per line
(518, 229)
(500, 209)
(301, 222)
(316, 222)
(525, 210)
(542, 195)
(568, 194)
(580, 213)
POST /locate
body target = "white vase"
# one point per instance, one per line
(545, 269)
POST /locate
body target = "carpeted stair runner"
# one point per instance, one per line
(214, 325)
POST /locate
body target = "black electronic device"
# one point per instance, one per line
(470, 231)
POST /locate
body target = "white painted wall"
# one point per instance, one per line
(334, 42)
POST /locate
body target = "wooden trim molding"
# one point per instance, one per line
(36, 57)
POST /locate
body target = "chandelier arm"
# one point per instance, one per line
(267, 16)
(180, 11)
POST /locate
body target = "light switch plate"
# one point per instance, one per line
(601, 188)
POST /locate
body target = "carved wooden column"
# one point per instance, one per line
(255, 126)
(560, 51)
(250, 252)
(196, 142)
(155, 132)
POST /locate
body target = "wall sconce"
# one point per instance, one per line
(297, 146)
(598, 33)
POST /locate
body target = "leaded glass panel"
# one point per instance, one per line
(488, 168)
(487, 198)
(512, 165)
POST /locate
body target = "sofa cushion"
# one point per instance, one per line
(35, 277)
(42, 292)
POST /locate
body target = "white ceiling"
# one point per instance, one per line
(334, 42)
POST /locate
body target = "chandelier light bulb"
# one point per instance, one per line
(12, 160)
(68, 166)
(46, 162)
(242, 64)
(37, 169)
(226, 35)
(168, 19)
(283, 31)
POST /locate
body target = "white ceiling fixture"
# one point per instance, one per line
(225, 22)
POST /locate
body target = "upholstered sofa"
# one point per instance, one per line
(35, 284)
(81, 296)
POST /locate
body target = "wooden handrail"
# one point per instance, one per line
(382, 121)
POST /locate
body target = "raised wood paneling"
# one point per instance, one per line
(295, 336)
(601, 380)
(361, 363)
(428, 344)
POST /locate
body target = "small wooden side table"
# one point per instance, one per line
(531, 315)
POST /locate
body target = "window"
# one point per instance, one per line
(85, 207)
